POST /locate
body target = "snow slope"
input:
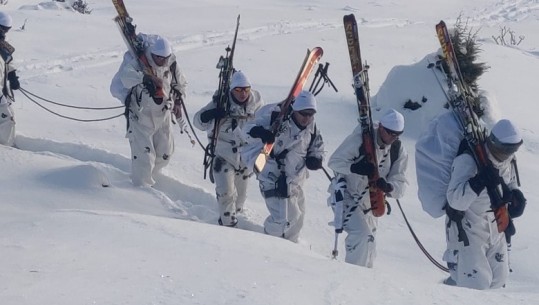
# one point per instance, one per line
(73, 230)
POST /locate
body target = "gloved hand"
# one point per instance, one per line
(13, 80)
(382, 184)
(177, 110)
(176, 94)
(212, 114)
(313, 163)
(152, 83)
(517, 204)
(362, 167)
(149, 84)
(260, 132)
(488, 176)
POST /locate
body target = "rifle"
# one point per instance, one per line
(221, 98)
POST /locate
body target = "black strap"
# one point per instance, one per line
(173, 71)
(313, 137)
(394, 151)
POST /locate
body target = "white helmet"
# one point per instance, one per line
(6, 20)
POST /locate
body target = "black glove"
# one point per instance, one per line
(488, 176)
(212, 114)
(382, 184)
(149, 84)
(517, 204)
(362, 167)
(313, 163)
(177, 95)
(13, 80)
(260, 132)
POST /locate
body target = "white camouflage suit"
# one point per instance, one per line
(287, 214)
(483, 264)
(361, 228)
(7, 116)
(149, 124)
(230, 173)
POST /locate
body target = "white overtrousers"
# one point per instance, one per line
(7, 124)
(230, 189)
(360, 242)
(286, 214)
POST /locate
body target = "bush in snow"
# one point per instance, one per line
(505, 40)
(81, 7)
(467, 50)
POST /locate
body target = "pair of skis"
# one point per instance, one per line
(135, 44)
(309, 63)
(361, 89)
(460, 96)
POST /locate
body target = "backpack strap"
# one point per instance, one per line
(274, 115)
(173, 71)
(394, 151)
(515, 168)
(313, 136)
(127, 103)
(455, 215)
(463, 148)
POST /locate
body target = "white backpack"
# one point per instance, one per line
(435, 151)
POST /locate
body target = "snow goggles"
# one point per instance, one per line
(306, 113)
(502, 150)
(160, 60)
(242, 89)
(393, 132)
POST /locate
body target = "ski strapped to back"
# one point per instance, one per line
(309, 63)
(460, 96)
(226, 69)
(361, 87)
(135, 44)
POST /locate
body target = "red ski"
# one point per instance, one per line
(459, 100)
(361, 87)
(134, 43)
(311, 59)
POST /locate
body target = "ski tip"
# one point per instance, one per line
(316, 50)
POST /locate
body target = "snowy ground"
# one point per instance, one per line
(67, 239)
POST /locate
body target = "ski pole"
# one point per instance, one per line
(335, 252)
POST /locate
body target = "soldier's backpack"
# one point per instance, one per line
(435, 151)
